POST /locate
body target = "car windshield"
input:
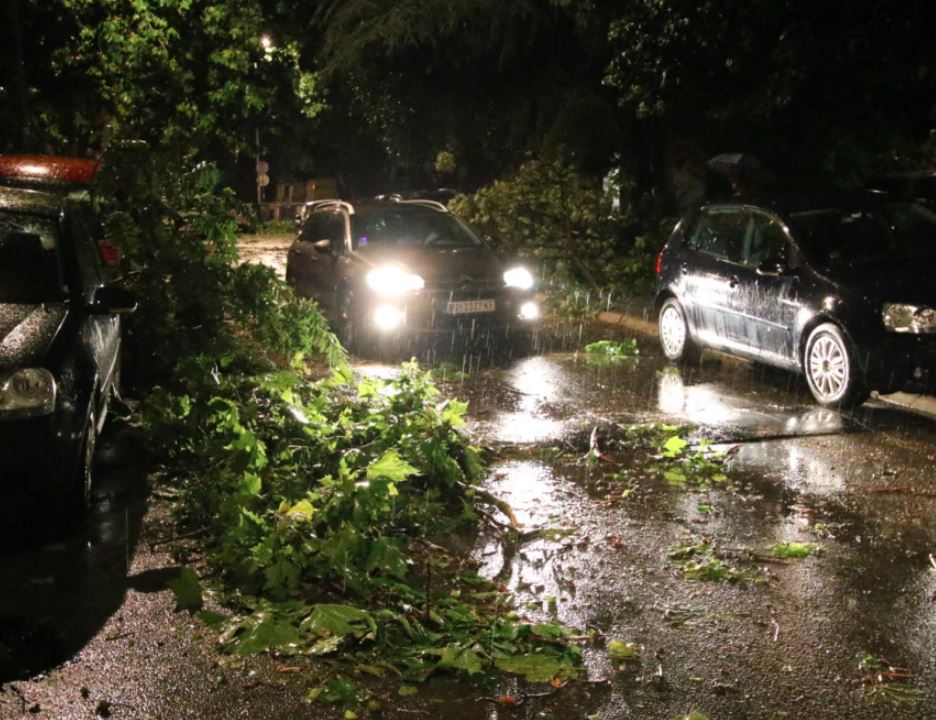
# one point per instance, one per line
(885, 233)
(411, 229)
(29, 267)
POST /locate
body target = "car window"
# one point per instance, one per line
(324, 226)
(764, 239)
(720, 232)
(87, 254)
(885, 233)
(29, 261)
(411, 228)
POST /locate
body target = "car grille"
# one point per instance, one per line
(465, 289)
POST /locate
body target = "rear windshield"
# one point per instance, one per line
(408, 228)
(29, 263)
(885, 233)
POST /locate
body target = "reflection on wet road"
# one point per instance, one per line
(596, 538)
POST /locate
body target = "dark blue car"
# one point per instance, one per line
(59, 333)
(839, 290)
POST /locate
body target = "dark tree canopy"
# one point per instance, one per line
(375, 91)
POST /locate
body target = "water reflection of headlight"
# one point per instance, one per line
(388, 317)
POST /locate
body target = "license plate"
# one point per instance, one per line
(467, 307)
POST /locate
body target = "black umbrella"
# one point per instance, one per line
(734, 165)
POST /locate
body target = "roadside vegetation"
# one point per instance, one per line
(579, 234)
(321, 498)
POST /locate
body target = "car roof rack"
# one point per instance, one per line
(322, 204)
(434, 204)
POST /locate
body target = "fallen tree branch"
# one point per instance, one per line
(595, 449)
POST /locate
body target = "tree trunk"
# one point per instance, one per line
(19, 74)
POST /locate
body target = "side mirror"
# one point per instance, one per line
(772, 267)
(111, 300)
(324, 246)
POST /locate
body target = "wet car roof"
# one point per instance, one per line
(795, 203)
(34, 201)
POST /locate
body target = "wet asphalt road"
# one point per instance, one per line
(87, 626)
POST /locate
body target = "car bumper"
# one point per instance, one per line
(36, 454)
(902, 362)
(464, 315)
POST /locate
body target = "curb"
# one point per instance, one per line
(924, 405)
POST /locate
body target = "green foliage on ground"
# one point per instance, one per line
(321, 501)
(790, 549)
(702, 562)
(611, 350)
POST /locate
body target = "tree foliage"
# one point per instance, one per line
(486, 80)
(821, 91)
(549, 211)
(176, 236)
(189, 76)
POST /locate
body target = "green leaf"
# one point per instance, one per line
(326, 645)
(301, 510)
(187, 590)
(674, 446)
(407, 690)
(454, 657)
(621, 652)
(674, 477)
(251, 484)
(788, 549)
(391, 467)
(536, 667)
(212, 619)
(333, 619)
(269, 634)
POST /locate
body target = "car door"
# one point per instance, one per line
(764, 301)
(709, 272)
(101, 330)
(315, 271)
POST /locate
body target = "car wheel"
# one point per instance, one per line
(833, 376)
(67, 507)
(674, 333)
(349, 326)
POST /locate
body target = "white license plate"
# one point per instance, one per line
(467, 307)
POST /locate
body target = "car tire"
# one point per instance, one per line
(832, 373)
(348, 326)
(67, 507)
(675, 340)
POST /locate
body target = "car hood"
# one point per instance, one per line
(889, 282)
(436, 265)
(27, 331)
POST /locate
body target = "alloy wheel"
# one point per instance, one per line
(828, 368)
(672, 331)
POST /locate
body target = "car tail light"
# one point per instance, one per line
(659, 262)
(108, 252)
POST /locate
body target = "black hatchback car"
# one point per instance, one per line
(839, 290)
(386, 268)
(59, 333)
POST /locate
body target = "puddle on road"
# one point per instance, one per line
(753, 650)
(592, 550)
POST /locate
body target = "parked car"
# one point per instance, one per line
(917, 186)
(838, 290)
(59, 332)
(385, 268)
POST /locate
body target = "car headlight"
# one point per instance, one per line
(393, 281)
(28, 392)
(902, 318)
(518, 277)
